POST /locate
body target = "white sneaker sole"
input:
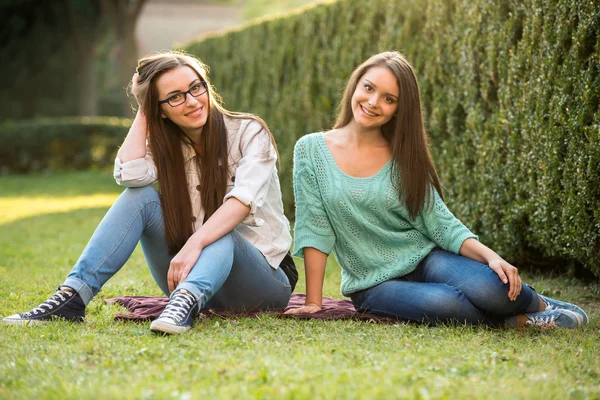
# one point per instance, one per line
(578, 317)
(17, 320)
(165, 327)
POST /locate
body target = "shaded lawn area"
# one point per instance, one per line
(45, 222)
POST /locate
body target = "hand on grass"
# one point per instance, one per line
(306, 309)
(508, 274)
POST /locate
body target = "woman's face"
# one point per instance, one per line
(375, 99)
(190, 115)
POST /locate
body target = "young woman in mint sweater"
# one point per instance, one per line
(368, 189)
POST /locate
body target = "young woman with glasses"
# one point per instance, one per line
(368, 189)
(214, 235)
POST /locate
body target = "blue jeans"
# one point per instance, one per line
(230, 273)
(446, 287)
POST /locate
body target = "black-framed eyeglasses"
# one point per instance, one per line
(179, 98)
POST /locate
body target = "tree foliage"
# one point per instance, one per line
(52, 50)
(35, 65)
(43, 144)
(511, 92)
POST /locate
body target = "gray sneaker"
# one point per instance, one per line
(555, 318)
(553, 304)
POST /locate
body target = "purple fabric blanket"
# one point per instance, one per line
(144, 308)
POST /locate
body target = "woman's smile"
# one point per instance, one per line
(197, 112)
(367, 112)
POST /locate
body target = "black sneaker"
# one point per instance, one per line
(65, 303)
(179, 314)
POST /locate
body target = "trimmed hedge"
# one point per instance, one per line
(60, 143)
(511, 92)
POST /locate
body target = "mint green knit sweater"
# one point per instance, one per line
(363, 221)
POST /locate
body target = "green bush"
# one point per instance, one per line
(511, 92)
(60, 143)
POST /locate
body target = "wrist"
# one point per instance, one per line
(491, 257)
(314, 295)
(495, 261)
(312, 303)
(196, 240)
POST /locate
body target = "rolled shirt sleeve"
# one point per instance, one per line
(136, 173)
(254, 171)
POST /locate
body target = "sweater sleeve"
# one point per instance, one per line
(441, 226)
(312, 227)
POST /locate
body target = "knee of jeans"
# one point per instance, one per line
(141, 194)
(492, 298)
(439, 260)
(238, 239)
(223, 245)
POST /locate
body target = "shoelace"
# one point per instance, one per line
(544, 320)
(49, 304)
(553, 307)
(549, 307)
(179, 306)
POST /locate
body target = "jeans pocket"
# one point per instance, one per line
(358, 298)
(280, 277)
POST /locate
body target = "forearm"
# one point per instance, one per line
(134, 146)
(223, 221)
(314, 269)
(477, 251)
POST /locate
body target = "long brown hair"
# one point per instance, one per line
(165, 139)
(414, 172)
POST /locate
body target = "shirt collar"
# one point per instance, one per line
(232, 125)
(188, 151)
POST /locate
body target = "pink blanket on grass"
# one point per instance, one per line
(144, 308)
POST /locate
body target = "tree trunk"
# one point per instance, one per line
(123, 15)
(87, 87)
(128, 51)
(84, 31)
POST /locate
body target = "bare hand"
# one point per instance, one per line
(135, 81)
(182, 264)
(508, 273)
(306, 309)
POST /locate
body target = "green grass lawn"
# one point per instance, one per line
(45, 222)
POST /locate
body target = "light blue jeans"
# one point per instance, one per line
(230, 273)
(447, 287)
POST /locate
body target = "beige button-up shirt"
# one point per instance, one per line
(252, 179)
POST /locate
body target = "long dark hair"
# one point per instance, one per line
(414, 172)
(165, 138)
